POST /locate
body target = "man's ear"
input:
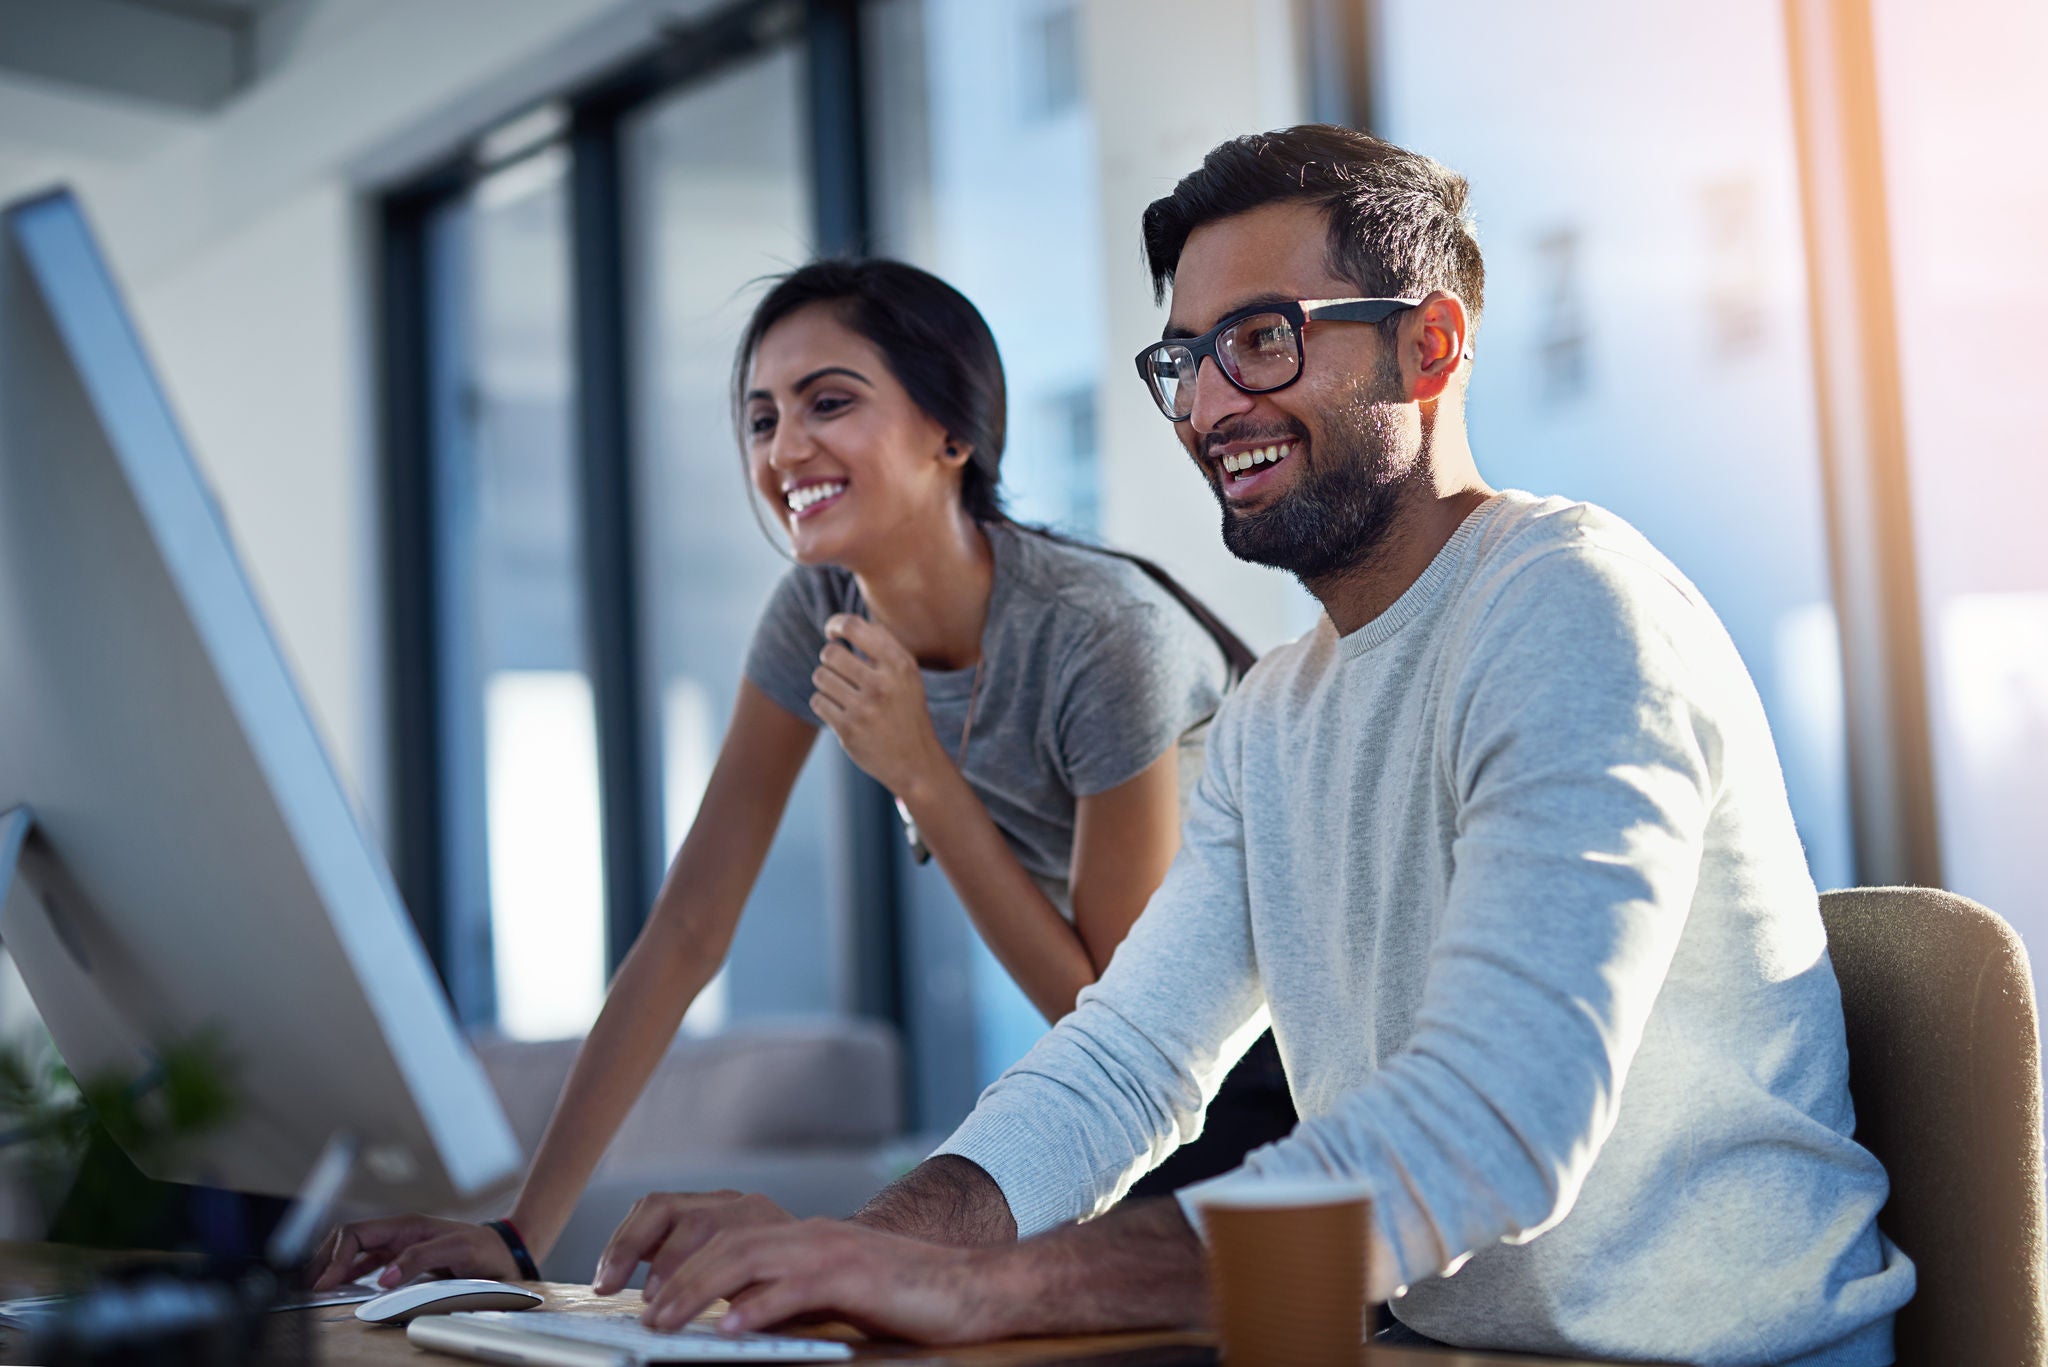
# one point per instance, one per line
(1434, 343)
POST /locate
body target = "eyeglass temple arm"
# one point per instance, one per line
(1364, 311)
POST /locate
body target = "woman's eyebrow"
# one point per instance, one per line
(816, 375)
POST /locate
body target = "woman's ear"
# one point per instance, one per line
(956, 452)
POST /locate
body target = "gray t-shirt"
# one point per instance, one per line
(1091, 671)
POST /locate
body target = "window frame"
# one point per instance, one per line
(417, 608)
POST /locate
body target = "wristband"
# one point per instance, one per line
(516, 1246)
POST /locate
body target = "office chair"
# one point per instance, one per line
(1945, 1072)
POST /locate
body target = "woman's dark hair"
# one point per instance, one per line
(937, 345)
(940, 350)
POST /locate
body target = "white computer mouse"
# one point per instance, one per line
(444, 1298)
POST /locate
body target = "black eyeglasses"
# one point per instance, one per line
(1258, 350)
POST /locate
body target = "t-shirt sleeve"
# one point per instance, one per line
(788, 638)
(1128, 692)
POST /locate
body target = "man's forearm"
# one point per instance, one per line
(943, 1200)
(1141, 1266)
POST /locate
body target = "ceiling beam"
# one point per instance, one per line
(134, 51)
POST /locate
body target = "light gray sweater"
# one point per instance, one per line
(1512, 869)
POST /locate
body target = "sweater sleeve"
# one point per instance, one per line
(1123, 1079)
(1582, 760)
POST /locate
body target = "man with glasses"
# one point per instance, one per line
(1501, 848)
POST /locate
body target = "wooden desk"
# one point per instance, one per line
(340, 1339)
(344, 1341)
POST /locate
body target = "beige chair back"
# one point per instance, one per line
(1945, 1071)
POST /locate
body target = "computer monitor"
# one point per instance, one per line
(184, 860)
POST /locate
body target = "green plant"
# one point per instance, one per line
(74, 1140)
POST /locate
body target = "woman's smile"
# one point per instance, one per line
(812, 497)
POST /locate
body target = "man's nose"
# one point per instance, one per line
(1216, 398)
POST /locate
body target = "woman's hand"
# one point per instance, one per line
(871, 695)
(408, 1246)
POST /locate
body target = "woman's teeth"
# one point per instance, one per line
(802, 498)
(1262, 455)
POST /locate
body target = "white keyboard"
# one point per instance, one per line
(620, 1336)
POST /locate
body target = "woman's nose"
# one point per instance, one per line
(788, 448)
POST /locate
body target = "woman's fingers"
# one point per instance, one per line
(451, 1254)
(835, 685)
(338, 1251)
(365, 1244)
(876, 642)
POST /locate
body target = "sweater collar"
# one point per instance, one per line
(1428, 587)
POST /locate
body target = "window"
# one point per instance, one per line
(1019, 234)
(1050, 80)
(1962, 105)
(576, 568)
(717, 199)
(1633, 258)
(518, 723)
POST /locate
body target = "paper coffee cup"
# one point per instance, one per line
(1287, 1273)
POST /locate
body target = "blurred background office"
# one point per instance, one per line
(445, 293)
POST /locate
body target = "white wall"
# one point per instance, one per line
(1222, 68)
(242, 240)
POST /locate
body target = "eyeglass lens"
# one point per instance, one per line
(1258, 353)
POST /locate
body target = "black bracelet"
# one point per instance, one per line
(516, 1246)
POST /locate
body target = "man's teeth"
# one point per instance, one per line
(800, 499)
(1262, 455)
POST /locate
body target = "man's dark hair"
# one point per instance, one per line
(1398, 221)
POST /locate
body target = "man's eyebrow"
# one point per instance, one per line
(1176, 332)
(816, 375)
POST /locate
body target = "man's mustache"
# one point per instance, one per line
(1219, 437)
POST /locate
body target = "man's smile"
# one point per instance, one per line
(1245, 466)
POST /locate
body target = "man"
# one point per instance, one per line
(1501, 847)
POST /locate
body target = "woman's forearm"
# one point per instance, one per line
(684, 941)
(654, 987)
(1024, 930)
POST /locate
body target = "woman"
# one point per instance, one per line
(1034, 706)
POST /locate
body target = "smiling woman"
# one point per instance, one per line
(1037, 707)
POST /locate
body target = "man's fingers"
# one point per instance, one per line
(693, 1227)
(718, 1270)
(640, 1233)
(828, 710)
(774, 1301)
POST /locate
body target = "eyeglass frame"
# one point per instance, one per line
(1299, 313)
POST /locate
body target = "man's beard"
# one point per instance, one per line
(1346, 497)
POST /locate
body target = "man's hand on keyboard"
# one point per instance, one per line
(665, 1228)
(884, 1284)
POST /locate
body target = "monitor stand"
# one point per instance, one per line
(45, 919)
